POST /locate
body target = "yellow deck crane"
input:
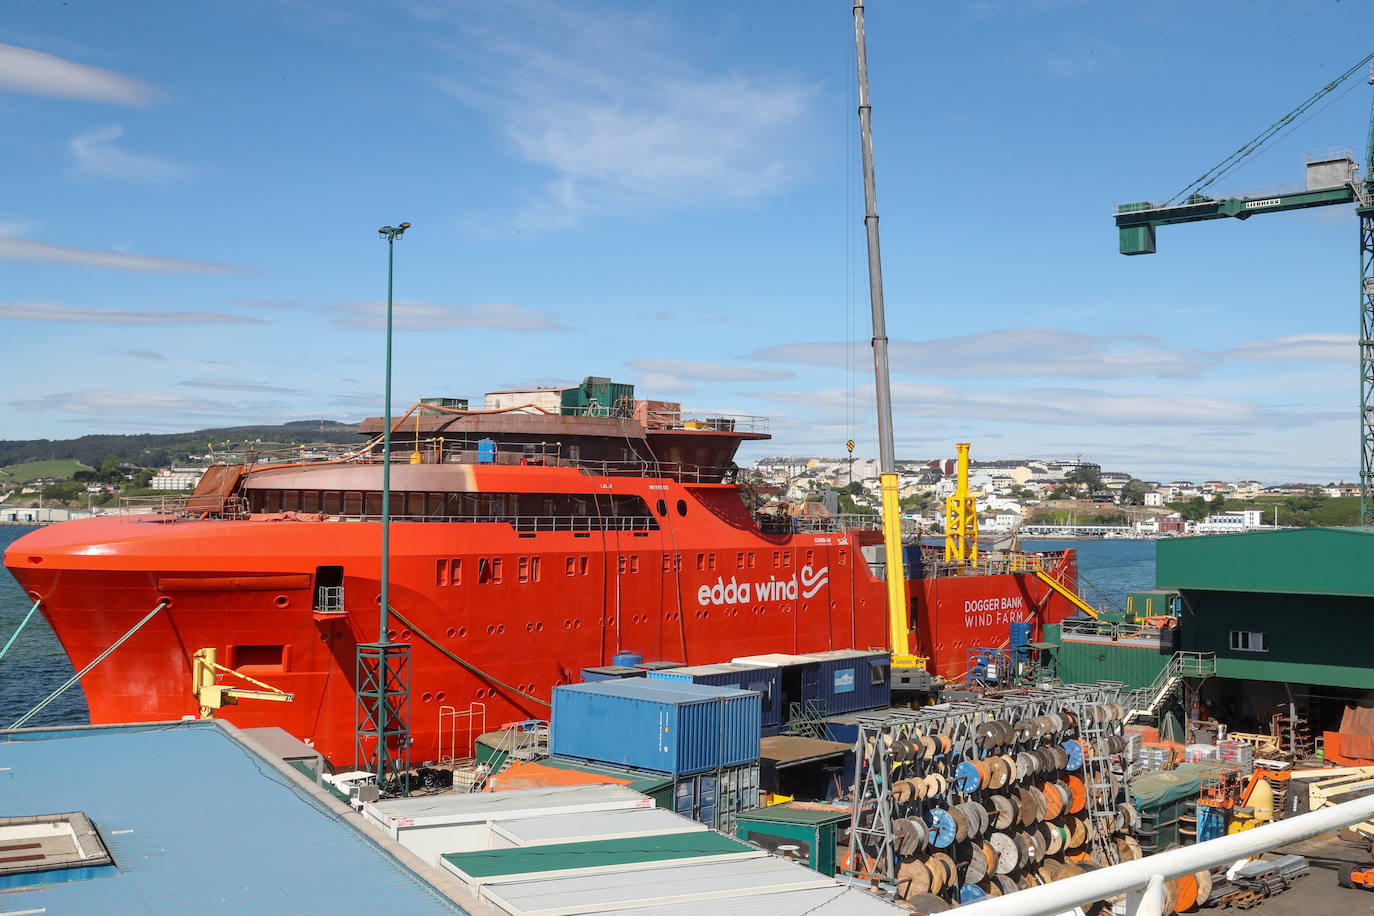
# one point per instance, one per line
(212, 696)
(961, 517)
(907, 670)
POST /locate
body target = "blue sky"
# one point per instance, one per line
(668, 194)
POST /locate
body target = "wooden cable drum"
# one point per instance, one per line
(961, 824)
(990, 857)
(1204, 887)
(1078, 794)
(1004, 812)
(977, 868)
(950, 873)
(903, 791)
(913, 877)
(1187, 893)
(1005, 847)
(1078, 832)
(1170, 898)
(1054, 804)
(926, 904)
(1007, 885)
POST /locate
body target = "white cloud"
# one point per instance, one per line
(95, 154)
(140, 353)
(608, 106)
(124, 404)
(1062, 406)
(1305, 348)
(1009, 353)
(32, 72)
(24, 251)
(71, 314)
(229, 384)
(428, 316)
(708, 372)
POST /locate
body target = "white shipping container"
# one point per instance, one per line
(458, 822)
(595, 825)
(526, 400)
(674, 883)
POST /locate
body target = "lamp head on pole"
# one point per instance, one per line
(391, 233)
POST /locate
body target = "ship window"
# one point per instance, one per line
(572, 566)
(739, 560)
(777, 559)
(415, 505)
(662, 507)
(634, 564)
(353, 504)
(332, 503)
(257, 656)
(535, 563)
(682, 508)
(271, 501)
(582, 566)
(667, 563)
(489, 571)
(787, 559)
(310, 501)
(373, 505)
(701, 562)
(677, 561)
(455, 572)
(810, 557)
(710, 561)
(621, 565)
(524, 570)
(1247, 641)
(843, 557)
(751, 559)
(441, 573)
(290, 500)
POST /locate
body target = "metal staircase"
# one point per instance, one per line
(521, 741)
(1146, 701)
(807, 719)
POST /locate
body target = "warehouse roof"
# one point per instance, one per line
(1292, 561)
(197, 821)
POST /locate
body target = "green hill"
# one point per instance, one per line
(44, 457)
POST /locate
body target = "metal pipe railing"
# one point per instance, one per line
(1059, 896)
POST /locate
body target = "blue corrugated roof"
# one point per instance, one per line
(198, 823)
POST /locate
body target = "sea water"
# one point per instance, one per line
(36, 665)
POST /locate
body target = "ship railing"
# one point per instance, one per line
(1125, 629)
(329, 599)
(172, 507)
(523, 523)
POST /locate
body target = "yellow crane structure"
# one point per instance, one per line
(961, 517)
(212, 696)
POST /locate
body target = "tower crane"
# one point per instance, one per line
(1333, 177)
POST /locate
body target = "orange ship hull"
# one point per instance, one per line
(527, 608)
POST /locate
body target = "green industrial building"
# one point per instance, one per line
(1289, 615)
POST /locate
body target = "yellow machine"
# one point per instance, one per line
(212, 696)
(961, 517)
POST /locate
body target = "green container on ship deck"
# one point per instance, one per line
(805, 833)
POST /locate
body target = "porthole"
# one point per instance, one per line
(282, 601)
(662, 507)
(682, 507)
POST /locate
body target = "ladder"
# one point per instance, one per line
(1102, 788)
(807, 719)
(1146, 701)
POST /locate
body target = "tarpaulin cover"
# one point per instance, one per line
(1155, 790)
(1357, 732)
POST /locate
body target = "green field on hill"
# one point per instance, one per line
(32, 470)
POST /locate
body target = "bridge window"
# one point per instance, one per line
(1248, 641)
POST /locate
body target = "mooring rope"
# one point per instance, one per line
(23, 623)
(468, 665)
(75, 678)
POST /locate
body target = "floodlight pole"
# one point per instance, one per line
(391, 235)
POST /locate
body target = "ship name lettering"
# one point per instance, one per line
(807, 584)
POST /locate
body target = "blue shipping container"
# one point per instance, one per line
(1020, 633)
(766, 681)
(607, 672)
(663, 727)
(841, 680)
(628, 659)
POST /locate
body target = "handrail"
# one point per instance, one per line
(1152, 871)
(1181, 664)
